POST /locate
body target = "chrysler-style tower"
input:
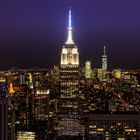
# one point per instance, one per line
(69, 116)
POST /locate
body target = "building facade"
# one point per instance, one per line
(7, 116)
(69, 115)
(118, 126)
(88, 70)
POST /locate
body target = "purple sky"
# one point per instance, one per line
(32, 33)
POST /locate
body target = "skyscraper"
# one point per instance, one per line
(104, 60)
(7, 116)
(42, 104)
(88, 70)
(3, 117)
(69, 117)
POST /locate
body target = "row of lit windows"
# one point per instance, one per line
(68, 123)
(70, 112)
(70, 83)
(69, 66)
(69, 89)
(74, 103)
(69, 118)
(68, 58)
(71, 121)
(114, 133)
(69, 77)
(69, 86)
(74, 84)
(70, 106)
(112, 123)
(69, 71)
(68, 97)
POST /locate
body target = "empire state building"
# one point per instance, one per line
(69, 55)
(69, 114)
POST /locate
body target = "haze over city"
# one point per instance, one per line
(33, 33)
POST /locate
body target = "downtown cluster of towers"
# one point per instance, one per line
(53, 110)
(69, 116)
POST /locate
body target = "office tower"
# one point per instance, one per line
(100, 74)
(104, 60)
(3, 117)
(88, 70)
(117, 73)
(42, 104)
(69, 118)
(7, 121)
(11, 120)
(22, 101)
(22, 79)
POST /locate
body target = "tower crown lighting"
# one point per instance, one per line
(70, 54)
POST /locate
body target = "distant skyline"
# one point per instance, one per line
(32, 33)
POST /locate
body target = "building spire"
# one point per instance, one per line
(69, 39)
(104, 50)
(104, 59)
(70, 18)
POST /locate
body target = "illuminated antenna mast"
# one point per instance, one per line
(69, 39)
(104, 50)
(70, 27)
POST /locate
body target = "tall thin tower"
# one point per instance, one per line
(69, 118)
(7, 116)
(104, 60)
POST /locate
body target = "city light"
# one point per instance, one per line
(73, 100)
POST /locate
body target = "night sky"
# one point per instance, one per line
(32, 33)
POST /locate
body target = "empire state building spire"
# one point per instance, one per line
(70, 54)
(69, 39)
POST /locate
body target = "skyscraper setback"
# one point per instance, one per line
(69, 118)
